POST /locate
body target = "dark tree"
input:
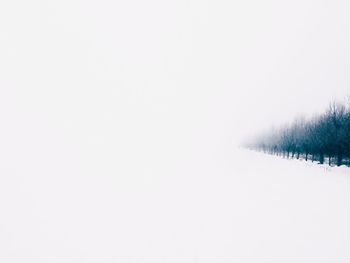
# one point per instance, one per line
(326, 135)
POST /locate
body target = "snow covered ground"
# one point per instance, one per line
(224, 206)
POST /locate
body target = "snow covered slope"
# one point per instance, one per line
(229, 206)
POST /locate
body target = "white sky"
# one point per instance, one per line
(170, 75)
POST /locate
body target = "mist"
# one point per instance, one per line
(211, 68)
(123, 95)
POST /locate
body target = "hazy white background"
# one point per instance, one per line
(179, 68)
(118, 93)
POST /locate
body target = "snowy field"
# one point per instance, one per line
(226, 206)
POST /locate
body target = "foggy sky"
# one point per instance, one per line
(130, 76)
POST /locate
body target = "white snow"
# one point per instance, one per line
(225, 206)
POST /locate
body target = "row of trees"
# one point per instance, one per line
(322, 137)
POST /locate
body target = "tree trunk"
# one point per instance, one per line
(306, 156)
(339, 159)
(321, 158)
(298, 154)
(329, 160)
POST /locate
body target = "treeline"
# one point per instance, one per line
(323, 138)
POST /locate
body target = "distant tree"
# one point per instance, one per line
(324, 135)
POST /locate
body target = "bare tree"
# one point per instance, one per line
(324, 135)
